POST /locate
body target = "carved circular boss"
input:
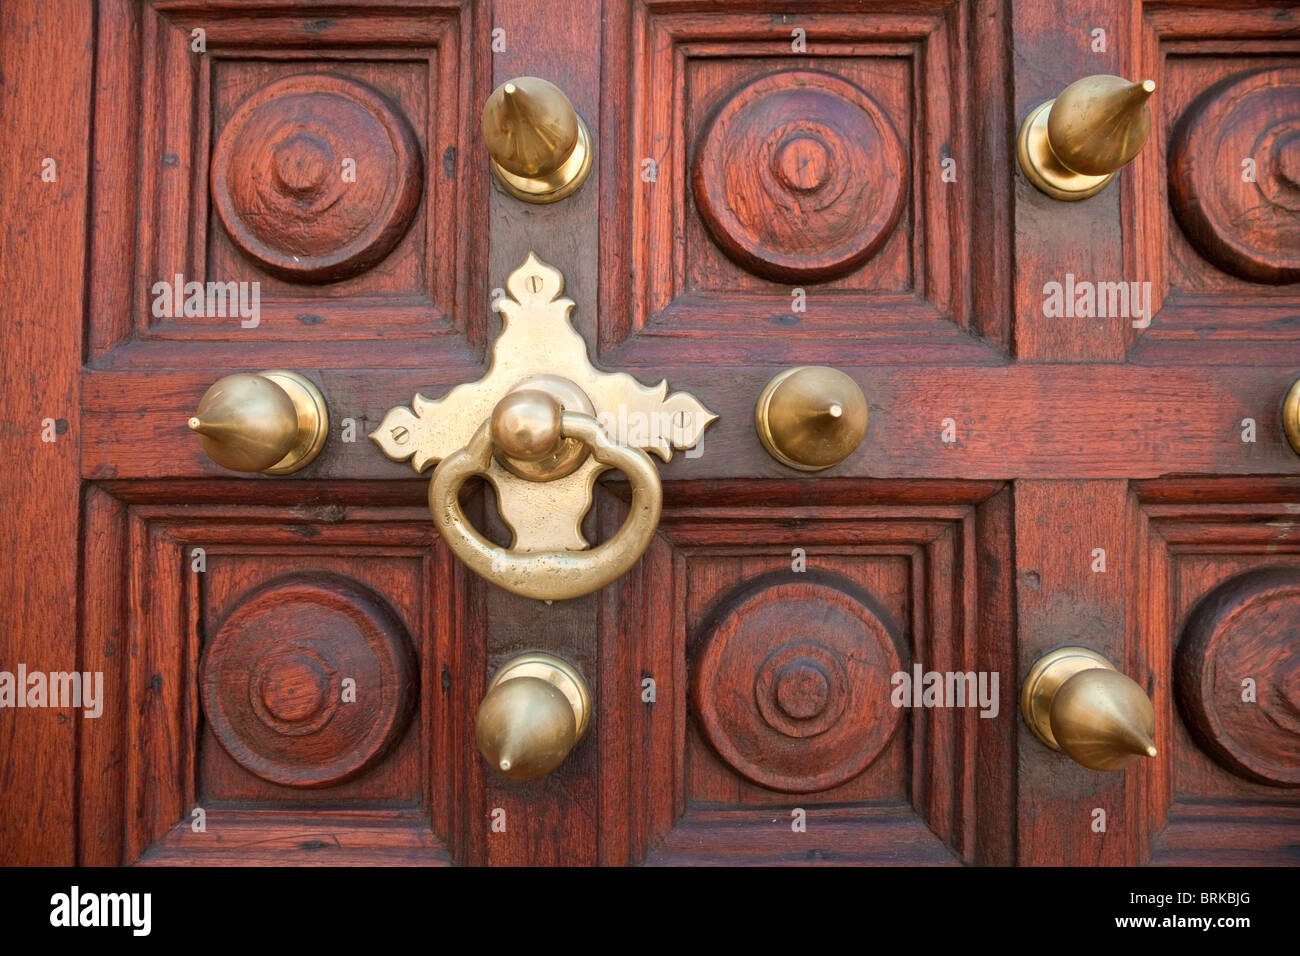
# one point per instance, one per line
(1234, 175)
(272, 681)
(792, 686)
(800, 176)
(316, 177)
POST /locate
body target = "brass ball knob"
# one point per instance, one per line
(1072, 146)
(539, 145)
(274, 422)
(535, 711)
(1075, 701)
(526, 425)
(811, 417)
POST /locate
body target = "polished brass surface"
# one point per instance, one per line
(811, 417)
(510, 416)
(536, 709)
(611, 419)
(1291, 416)
(1072, 146)
(549, 575)
(539, 146)
(274, 422)
(1075, 701)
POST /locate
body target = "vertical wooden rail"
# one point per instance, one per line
(46, 68)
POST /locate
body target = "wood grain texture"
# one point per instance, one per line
(1243, 631)
(937, 70)
(799, 176)
(1061, 600)
(44, 111)
(550, 821)
(1053, 238)
(282, 187)
(972, 555)
(1207, 546)
(274, 680)
(917, 550)
(1051, 421)
(1203, 314)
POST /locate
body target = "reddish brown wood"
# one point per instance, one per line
(1245, 220)
(799, 176)
(1207, 546)
(1244, 630)
(283, 189)
(968, 556)
(274, 675)
(930, 293)
(915, 553)
(791, 682)
(45, 111)
(1061, 600)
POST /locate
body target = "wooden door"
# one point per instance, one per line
(1028, 480)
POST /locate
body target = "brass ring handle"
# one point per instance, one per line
(549, 575)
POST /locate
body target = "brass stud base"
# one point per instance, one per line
(557, 672)
(571, 453)
(1045, 678)
(556, 185)
(535, 711)
(313, 421)
(1042, 167)
(1291, 416)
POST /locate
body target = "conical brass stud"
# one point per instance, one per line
(811, 417)
(535, 711)
(1072, 146)
(1291, 416)
(1076, 702)
(539, 145)
(274, 422)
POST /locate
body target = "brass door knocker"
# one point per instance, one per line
(541, 425)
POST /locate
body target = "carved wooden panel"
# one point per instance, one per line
(277, 675)
(1241, 646)
(1234, 174)
(1220, 632)
(323, 158)
(277, 665)
(1217, 191)
(283, 170)
(774, 684)
(790, 152)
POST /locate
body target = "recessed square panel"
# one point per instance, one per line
(785, 185)
(320, 164)
(1220, 609)
(776, 658)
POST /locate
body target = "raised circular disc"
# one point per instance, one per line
(1250, 229)
(800, 176)
(1247, 627)
(278, 185)
(270, 681)
(792, 685)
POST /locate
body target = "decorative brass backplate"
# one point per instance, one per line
(537, 343)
